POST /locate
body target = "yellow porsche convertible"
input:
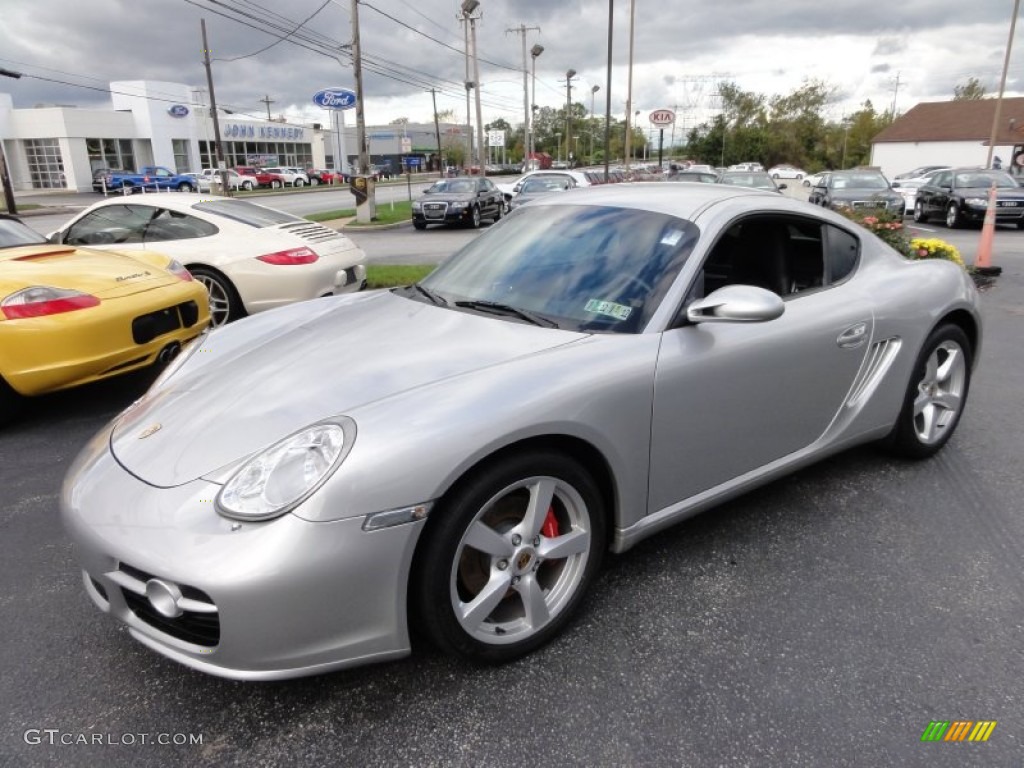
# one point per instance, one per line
(71, 315)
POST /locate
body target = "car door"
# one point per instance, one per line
(732, 398)
(938, 193)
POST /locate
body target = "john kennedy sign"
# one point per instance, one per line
(335, 98)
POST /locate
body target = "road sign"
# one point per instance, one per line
(496, 138)
(662, 117)
(406, 145)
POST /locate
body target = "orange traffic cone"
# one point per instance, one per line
(983, 261)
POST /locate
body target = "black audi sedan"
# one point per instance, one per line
(858, 190)
(960, 195)
(463, 201)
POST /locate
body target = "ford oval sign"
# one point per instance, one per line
(335, 98)
(177, 110)
(662, 117)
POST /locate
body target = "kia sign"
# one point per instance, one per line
(662, 117)
(335, 98)
(177, 110)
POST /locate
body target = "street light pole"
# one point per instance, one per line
(593, 90)
(569, 75)
(536, 51)
(558, 146)
(468, 6)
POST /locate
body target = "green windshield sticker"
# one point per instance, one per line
(609, 308)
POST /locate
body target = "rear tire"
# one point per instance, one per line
(186, 187)
(936, 395)
(247, 186)
(299, 183)
(225, 303)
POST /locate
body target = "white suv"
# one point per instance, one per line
(291, 176)
(236, 180)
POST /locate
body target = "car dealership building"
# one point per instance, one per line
(169, 124)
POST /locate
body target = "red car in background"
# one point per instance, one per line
(263, 178)
(324, 176)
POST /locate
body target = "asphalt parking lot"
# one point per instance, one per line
(824, 620)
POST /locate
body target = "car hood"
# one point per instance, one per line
(447, 197)
(858, 193)
(258, 380)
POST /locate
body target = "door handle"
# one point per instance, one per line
(853, 336)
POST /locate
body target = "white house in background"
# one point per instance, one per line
(954, 133)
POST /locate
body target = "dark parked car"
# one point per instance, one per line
(753, 179)
(540, 186)
(701, 177)
(856, 189)
(960, 195)
(458, 201)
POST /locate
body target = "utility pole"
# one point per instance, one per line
(362, 189)
(569, 75)
(608, 96)
(268, 101)
(469, 85)
(468, 6)
(216, 121)
(536, 51)
(895, 91)
(522, 29)
(437, 133)
(5, 177)
(629, 86)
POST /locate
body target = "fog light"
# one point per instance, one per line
(164, 598)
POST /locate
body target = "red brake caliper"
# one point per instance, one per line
(550, 527)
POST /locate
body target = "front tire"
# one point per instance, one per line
(507, 557)
(935, 396)
(919, 215)
(298, 183)
(419, 224)
(247, 186)
(225, 303)
(185, 187)
(474, 220)
(953, 217)
(314, 181)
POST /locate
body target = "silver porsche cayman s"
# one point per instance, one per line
(300, 489)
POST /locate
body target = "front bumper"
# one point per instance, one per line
(258, 601)
(445, 215)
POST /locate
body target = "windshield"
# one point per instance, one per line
(859, 181)
(587, 268)
(985, 179)
(532, 186)
(14, 233)
(246, 213)
(459, 186)
(760, 181)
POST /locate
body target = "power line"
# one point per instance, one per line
(280, 39)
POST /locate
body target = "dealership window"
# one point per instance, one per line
(45, 164)
(110, 153)
(182, 163)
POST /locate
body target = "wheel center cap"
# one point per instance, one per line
(523, 561)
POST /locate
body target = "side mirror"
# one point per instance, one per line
(736, 304)
(783, 186)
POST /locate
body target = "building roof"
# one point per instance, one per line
(969, 120)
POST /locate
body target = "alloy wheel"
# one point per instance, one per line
(521, 560)
(940, 394)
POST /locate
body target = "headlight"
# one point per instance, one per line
(976, 202)
(278, 479)
(840, 204)
(457, 206)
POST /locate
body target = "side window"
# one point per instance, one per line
(112, 224)
(785, 255)
(173, 225)
(841, 252)
(944, 179)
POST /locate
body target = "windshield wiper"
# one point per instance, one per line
(441, 301)
(506, 309)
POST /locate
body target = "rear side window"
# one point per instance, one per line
(841, 250)
(247, 213)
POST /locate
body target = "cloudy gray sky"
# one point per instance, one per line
(69, 50)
